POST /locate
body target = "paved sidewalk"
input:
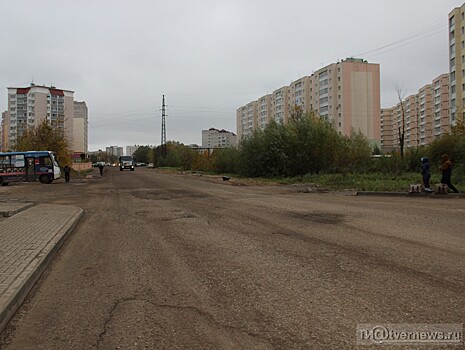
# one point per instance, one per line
(10, 209)
(28, 240)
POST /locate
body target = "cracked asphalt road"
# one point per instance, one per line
(166, 261)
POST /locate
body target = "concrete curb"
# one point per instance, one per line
(406, 194)
(10, 209)
(29, 277)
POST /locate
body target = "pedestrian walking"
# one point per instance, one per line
(100, 167)
(425, 173)
(446, 168)
(67, 170)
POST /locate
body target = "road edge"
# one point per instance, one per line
(35, 270)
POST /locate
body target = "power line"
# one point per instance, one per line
(412, 38)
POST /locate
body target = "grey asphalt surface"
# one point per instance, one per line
(165, 261)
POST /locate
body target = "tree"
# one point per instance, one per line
(401, 128)
(142, 154)
(376, 150)
(45, 138)
(226, 160)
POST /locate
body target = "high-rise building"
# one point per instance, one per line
(280, 105)
(246, 118)
(130, 150)
(457, 63)
(80, 128)
(346, 94)
(28, 107)
(441, 105)
(387, 130)
(214, 138)
(114, 151)
(300, 97)
(264, 111)
(421, 117)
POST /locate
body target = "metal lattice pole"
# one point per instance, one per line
(163, 128)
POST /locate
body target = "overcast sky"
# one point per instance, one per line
(208, 57)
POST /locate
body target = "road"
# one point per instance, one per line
(172, 261)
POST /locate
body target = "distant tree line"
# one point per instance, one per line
(305, 145)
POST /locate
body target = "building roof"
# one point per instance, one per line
(222, 130)
(53, 90)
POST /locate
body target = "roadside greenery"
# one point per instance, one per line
(45, 138)
(308, 149)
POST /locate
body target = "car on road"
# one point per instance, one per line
(151, 165)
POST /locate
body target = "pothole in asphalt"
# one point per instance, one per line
(142, 324)
(168, 194)
(151, 195)
(177, 216)
(320, 218)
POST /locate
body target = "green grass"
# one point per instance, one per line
(359, 182)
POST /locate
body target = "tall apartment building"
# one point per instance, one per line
(214, 138)
(280, 105)
(300, 94)
(80, 128)
(441, 105)
(346, 94)
(28, 107)
(425, 116)
(387, 130)
(246, 118)
(264, 111)
(130, 150)
(457, 63)
(114, 151)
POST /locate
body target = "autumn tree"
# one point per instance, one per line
(44, 137)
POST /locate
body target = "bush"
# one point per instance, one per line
(307, 144)
(226, 160)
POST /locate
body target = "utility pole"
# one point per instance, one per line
(163, 129)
